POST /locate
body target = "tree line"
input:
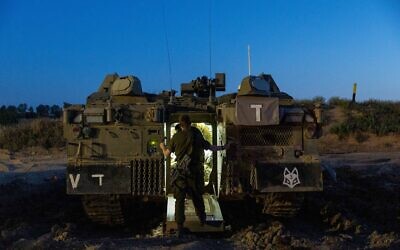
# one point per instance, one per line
(12, 114)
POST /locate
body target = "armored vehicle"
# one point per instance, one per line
(275, 158)
(114, 156)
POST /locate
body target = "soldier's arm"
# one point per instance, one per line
(207, 145)
(217, 148)
(214, 148)
(165, 150)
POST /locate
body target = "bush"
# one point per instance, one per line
(361, 137)
(46, 133)
(337, 101)
(377, 117)
(8, 115)
(309, 103)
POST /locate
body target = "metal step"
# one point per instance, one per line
(214, 220)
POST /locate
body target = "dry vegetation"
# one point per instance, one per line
(361, 127)
(43, 132)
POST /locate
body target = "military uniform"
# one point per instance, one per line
(193, 143)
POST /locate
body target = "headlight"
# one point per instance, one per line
(152, 146)
(87, 132)
(310, 131)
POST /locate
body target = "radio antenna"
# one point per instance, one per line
(210, 96)
(249, 58)
(209, 36)
(167, 45)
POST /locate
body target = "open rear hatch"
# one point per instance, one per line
(214, 220)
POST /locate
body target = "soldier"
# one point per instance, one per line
(188, 141)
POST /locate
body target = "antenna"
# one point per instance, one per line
(209, 36)
(168, 52)
(249, 58)
(210, 97)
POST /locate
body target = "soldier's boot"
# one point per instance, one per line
(202, 218)
(179, 231)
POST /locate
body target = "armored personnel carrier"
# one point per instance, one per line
(275, 158)
(114, 156)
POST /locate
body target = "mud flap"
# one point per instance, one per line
(214, 220)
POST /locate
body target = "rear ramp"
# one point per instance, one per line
(214, 220)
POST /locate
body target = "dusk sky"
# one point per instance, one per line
(59, 51)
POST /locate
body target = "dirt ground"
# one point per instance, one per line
(359, 208)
